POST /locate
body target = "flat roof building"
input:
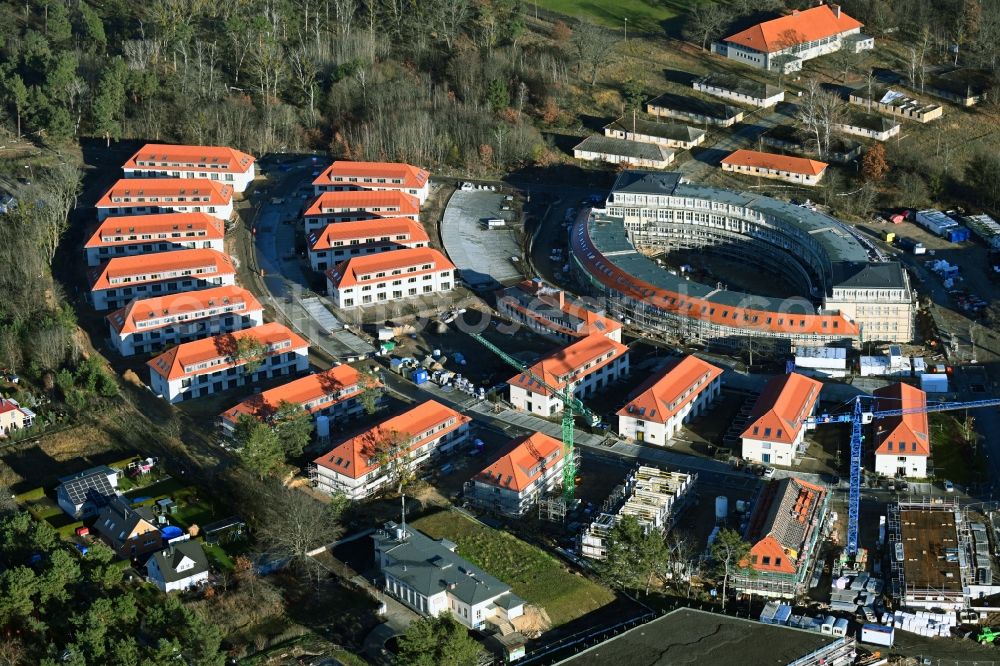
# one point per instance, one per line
(149, 324)
(928, 566)
(146, 234)
(380, 176)
(337, 242)
(211, 365)
(118, 281)
(679, 393)
(411, 439)
(143, 196)
(350, 206)
(157, 160)
(389, 276)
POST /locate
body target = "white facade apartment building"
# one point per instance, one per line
(379, 176)
(119, 281)
(670, 399)
(351, 206)
(145, 196)
(353, 468)
(779, 419)
(344, 240)
(210, 365)
(146, 234)
(513, 483)
(334, 393)
(151, 324)
(586, 365)
(157, 160)
(551, 312)
(902, 443)
(800, 170)
(389, 276)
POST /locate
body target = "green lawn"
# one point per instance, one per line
(642, 15)
(534, 575)
(954, 459)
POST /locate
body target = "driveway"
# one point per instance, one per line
(706, 158)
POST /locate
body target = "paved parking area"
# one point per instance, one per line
(483, 257)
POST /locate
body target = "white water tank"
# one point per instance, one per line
(323, 426)
(721, 508)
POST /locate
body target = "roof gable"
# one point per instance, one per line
(902, 435)
(664, 395)
(568, 364)
(781, 409)
(530, 457)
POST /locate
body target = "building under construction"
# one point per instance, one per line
(654, 496)
(930, 543)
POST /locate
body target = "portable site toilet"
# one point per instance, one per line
(840, 627)
(827, 626)
(782, 615)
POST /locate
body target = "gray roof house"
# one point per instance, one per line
(130, 531)
(83, 494)
(179, 566)
(430, 577)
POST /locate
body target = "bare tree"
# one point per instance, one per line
(706, 21)
(305, 71)
(593, 46)
(818, 112)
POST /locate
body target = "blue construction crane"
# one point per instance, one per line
(862, 414)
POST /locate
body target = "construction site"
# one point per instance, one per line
(653, 496)
(928, 553)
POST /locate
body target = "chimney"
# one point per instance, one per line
(562, 299)
(836, 10)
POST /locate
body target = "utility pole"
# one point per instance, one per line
(626, 30)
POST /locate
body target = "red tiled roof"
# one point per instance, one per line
(355, 457)
(201, 158)
(902, 435)
(593, 322)
(146, 264)
(400, 203)
(605, 271)
(523, 464)
(412, 177)
(165, 223)
(784, 515)
(328, 384)
(663, 395)
(772, 162)
(364, 229)
(800, 26)
(782, 408)
(126, 319)
(180, 190)
(172, 363)
(347, 273)
(570, 361)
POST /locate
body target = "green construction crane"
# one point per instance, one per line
(987, 635)
(571, 407)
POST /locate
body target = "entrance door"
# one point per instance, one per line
(640, 436)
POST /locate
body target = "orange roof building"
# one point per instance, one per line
(393, 275)
(120, 280)
(531, 466)
(554, 313)
(337, 242)
(143, 196)
(780, 167)
(158, 160)
(902, 442)
(144, 234)
(348, 206)
(334, 393)
(784, 530)
(588, 364)
(210, 365)
(378, 176)
(413, 436)
(148, 324)
(778, 422)
(786, 42)
(666, 401)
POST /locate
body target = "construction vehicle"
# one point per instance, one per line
(862, 414)
(987, 635)
(572, 406)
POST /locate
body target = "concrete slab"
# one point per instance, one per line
(482, 256)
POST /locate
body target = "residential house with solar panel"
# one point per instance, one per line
(784, 531)
(679, 393)
(85, 493)
(511, 485)
(180, 566)
(130, 531)
(777, 425)
(431, 578)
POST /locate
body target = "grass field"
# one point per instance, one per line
(643, 15)
(954, 458)
(534, 575)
